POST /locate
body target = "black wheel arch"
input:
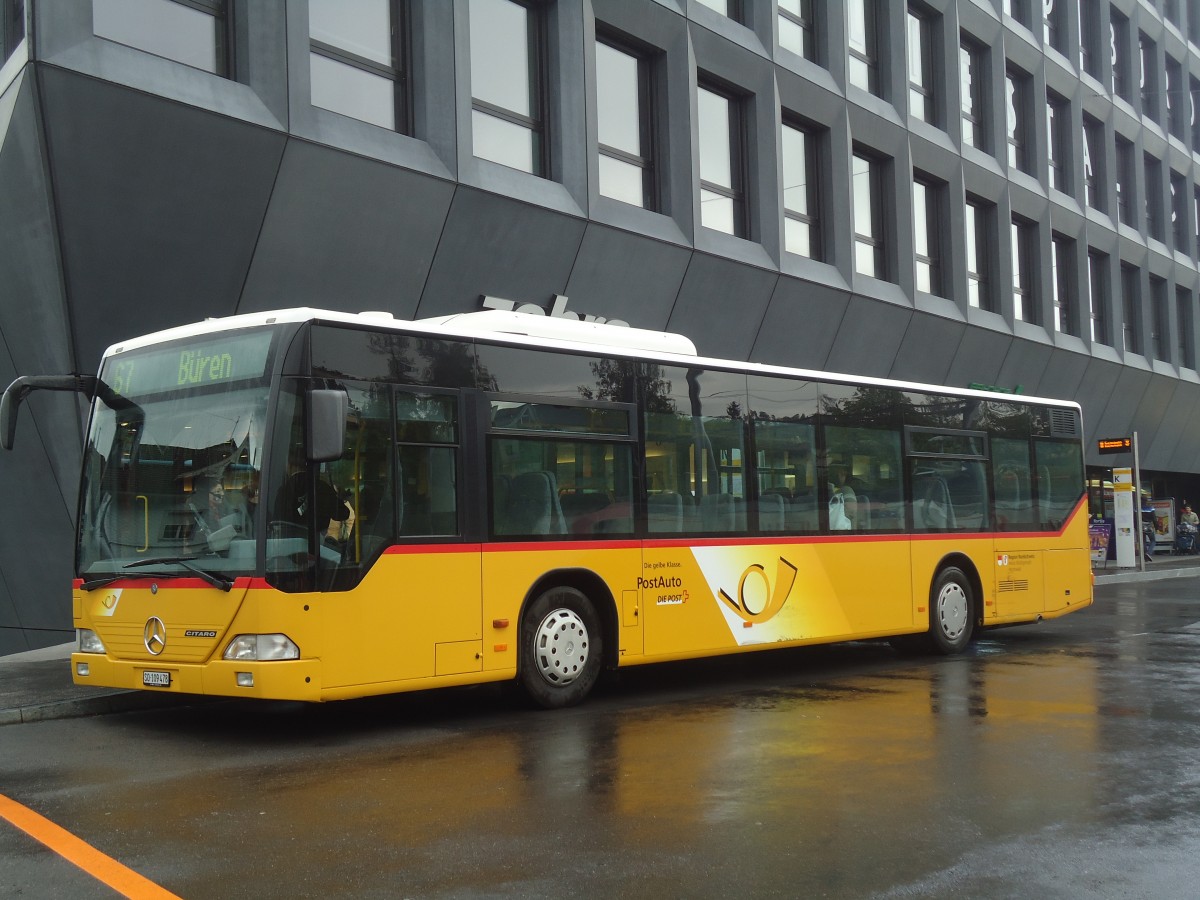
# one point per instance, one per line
(964, 563)
(596, 590)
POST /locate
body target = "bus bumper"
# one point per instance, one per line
(276, 680)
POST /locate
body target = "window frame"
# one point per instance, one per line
(977, 234)
(810, 218)
(876, 239)
(398, 72)
(645, 113)
(922, 92)
(536, 124)
(223, 52)
(736, 137)
(931, 261)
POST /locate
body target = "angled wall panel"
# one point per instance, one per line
(346, 233)
(498, 246)
(160, 206)
(38, 477)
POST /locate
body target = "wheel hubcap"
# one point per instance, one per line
(561, 647)
(952, 609)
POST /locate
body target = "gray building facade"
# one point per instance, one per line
(988, 192)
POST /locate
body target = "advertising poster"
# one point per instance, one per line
(1101, 535)
(1164, 522)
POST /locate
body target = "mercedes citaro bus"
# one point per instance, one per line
(314, 505)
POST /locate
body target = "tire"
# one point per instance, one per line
(951, 612)
(562, 648)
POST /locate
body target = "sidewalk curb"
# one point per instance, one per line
(1148, 575)
(115, 702)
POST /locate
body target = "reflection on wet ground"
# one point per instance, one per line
(1056, 761)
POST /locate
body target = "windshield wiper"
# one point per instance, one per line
(225, 584)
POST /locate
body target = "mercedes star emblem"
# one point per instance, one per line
(154, 635)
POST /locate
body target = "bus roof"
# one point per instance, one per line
(549, 332)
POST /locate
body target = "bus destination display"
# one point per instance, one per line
(206, 361)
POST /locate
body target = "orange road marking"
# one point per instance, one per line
(82, 854)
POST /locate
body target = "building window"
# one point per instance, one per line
(1148, 87)
(927, 234)
(1158, 317)
(1131, 304)
(1090, 38)
(862, 22)
(12, 27)
(1118, 30)
(1018, 10)
(1062, 261)
(1194, 113)
(1017, 92)
(971, 77)
(1177, 102)
(1196, 211)
(869, 244)
(797, 29)
(801, 224)
(1098, 296)
(193, 33)
(1155, 221)
(728, 8)
(1054, 13)
(978, 227)
(356, 60)
(1058, 120)
(623, 126)
(1125, 182)
(507, 121)
(922, 99)
(1179, 224)
(1093, 163)
(1024, 304)
(1193, 23)
(722, 183)
(1183, 316)
(1171, 11)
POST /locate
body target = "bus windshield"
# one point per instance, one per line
(172, 461)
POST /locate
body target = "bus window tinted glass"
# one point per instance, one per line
(560, 487)
(1012, 485)
(426, 464)
(1059, 480)
(783, 412)
(404, 359)
(695, 454)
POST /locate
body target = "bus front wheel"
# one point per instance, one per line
(561, 648)
(951, 611)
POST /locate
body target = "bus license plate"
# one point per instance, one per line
(156, 679)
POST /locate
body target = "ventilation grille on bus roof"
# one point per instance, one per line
(1064, 423)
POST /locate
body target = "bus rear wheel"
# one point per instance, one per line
(561, 648)
(951, 611)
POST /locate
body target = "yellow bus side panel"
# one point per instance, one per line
(509, 575)
(717, 599)
(389, 627)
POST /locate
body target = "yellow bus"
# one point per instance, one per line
(312, 505)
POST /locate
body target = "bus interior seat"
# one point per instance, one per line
(718, 512)
(933, 509)
(770, 513)
(862, 513)
(664, 512)
(532, 506)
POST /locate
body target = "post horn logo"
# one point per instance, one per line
(154, 636)
(757, 601)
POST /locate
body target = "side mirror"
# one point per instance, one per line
(326, 424)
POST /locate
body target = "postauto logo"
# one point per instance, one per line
(758, 599)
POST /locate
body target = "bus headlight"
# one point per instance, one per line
(262, 647)
(89, 641)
